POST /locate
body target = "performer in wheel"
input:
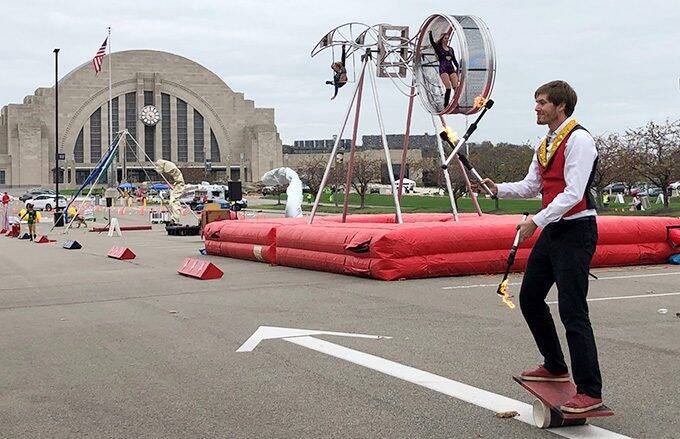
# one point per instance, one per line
(562, 170)
(448, 65)
(339, 73)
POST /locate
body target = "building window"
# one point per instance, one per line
(149, 132)
(81, 175)
(78, 155)
(2, 177)
(150, 142)
(96, 136)
(131, 125)
(182, 141)
(214, 148)
(165, 126)
(199, 138)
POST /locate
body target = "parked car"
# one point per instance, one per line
(271, 190)
(409, 185)
(46, 202)
(652, 191)
(34, 193)
(617, 188)
(675, 185)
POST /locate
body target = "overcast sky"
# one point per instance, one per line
(622, 57)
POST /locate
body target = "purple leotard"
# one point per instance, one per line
(447, 58)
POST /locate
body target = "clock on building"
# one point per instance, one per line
(150, 115)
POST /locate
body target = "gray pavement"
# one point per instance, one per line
(94, 347)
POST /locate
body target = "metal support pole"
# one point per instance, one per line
(123, 177)
(447, 177)
(407, 137)
(468, 186)
(386, 147)
(58, 216)
(350, 164)
(334, 152)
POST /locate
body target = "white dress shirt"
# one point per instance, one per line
(579, 155)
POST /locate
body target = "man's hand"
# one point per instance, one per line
(526, 229)
(477, 187)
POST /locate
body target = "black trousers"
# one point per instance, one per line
(562, 254)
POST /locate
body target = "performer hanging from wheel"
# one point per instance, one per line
(339, 73)
(562, 171)
(448, 65)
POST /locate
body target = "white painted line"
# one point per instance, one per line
(630, 276)
(272, 332)
(464, 392)
(637, 296)
(457, 287)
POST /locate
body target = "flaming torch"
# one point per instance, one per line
(479, 102)
(503, 286)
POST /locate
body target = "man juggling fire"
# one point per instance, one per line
(562, 170)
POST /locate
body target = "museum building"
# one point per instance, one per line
(173, 107)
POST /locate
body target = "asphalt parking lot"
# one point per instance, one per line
(95, 347)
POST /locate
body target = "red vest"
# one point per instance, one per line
(553, 178)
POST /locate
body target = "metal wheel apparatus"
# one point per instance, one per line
(386, 51)
(473, 46)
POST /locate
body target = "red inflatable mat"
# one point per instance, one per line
(426, 245)
(245, 239)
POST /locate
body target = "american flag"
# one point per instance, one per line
(97, 61)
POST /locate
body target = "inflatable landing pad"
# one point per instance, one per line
(425, 245)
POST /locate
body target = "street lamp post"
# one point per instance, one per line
(58, 215)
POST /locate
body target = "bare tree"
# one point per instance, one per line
(433, 174)
(653, 151)
(503, 162)
(611, 165)
(366, 170)
(311, 169)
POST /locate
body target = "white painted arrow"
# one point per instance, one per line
(464, 392)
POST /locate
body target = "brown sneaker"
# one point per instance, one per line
(581, 403)
(542, 374)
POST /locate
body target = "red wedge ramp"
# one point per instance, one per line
(200, 269)
(44, 240)
(3, 231)
(121, 253)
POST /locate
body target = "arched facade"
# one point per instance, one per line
(204, 126)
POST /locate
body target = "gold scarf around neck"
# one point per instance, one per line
(544, 153)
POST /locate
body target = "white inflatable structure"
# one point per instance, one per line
(289, 179)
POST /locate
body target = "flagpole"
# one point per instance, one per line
(112, 174)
